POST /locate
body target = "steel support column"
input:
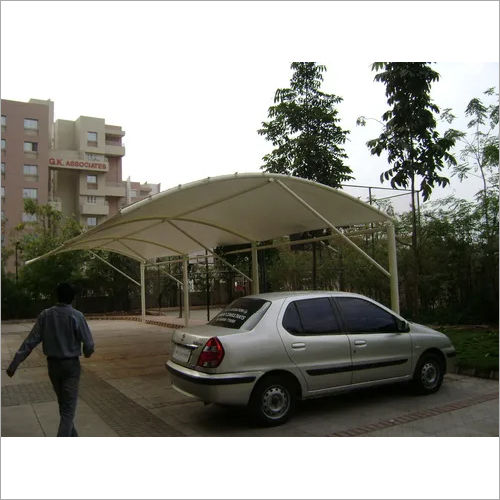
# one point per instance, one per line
(185, 287)
(255, 269)
(143, 294)
(393, 267)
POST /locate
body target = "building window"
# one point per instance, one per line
(92, 139)
(92, 200)
(30, 147)
(133, 193)
(91, 181)
(3, 192)
(4, 143)
(31, 171)
(3, 168)
(91, 221)
(29, 217)
(30, 193)
(4, 120)
(30, 124)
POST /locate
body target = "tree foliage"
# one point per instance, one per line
(416, 151)
(49, 229)
(304, 129)
(479, 154)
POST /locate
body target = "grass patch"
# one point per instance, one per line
(477, 347)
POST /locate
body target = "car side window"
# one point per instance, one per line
(310, 317)
(362, 316)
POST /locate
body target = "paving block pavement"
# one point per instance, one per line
(125, 390)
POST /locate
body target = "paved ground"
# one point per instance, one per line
(125, 391)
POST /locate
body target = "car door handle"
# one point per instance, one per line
(360, 342)
(298, 345)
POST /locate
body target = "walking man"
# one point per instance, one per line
(62, 331)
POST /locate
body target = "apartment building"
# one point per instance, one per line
(136, 191)
(85, 169)
(26, 140)
(76, 166)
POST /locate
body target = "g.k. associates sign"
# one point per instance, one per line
(78, 164)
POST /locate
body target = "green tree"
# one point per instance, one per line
(304, 129)
(100, 280)
(49, 229)
(480, 150)
(415, 150)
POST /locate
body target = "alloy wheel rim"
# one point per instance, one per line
(275, 402)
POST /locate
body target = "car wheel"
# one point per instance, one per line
(273, 401)
(428, 375)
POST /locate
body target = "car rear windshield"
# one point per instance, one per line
(243, 313)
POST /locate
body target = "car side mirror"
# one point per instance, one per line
(403, 325)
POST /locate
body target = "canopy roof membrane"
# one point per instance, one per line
(219, 211)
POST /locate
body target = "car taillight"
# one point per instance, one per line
(212, 354)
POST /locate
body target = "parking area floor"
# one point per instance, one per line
(125, 391)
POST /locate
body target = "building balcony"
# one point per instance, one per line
(114, 149)
(114, 130)
(94, 209)
(115, 189)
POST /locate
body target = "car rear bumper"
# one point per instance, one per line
(223, 388)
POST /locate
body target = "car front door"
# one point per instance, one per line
(314, 340)
(379, 349)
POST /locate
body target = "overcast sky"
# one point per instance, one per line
(190, 83)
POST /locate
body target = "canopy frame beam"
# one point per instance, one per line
(332, 226)
(392, 274)
(221, 200)
(114, 267)
(306, 240)
(213, 254)
(161, 219)
(171, 276)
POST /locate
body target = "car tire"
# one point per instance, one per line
(429, 374)
(273, 400)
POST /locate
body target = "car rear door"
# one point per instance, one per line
(315, 342)
(379, 350)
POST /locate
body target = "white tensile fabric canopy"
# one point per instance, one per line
(230, 210)
(220, 211)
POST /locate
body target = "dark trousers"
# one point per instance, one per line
(65, 377)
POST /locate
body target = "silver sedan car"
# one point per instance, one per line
(269, 350)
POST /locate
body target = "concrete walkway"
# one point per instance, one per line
(125, 391)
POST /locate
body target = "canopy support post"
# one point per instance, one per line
(143, 294)
(185, 287)
(255, 269)
(393, 267)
